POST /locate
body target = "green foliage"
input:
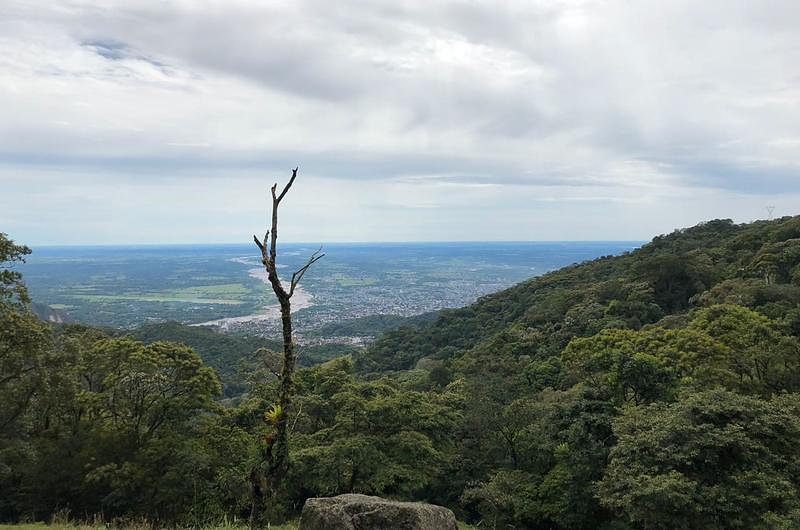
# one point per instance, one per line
(229, 355)
(369, 437)
(622, 366)
(111, 429)
(11, 287)
(549, 364)
(711, 460)
(505, 499)
(657, 389)
(232, 356)
(758, 357)
(370, 325)
(26, 363)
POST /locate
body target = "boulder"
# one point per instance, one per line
(362, 512)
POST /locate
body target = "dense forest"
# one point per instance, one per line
(653, 390)
(232, 356)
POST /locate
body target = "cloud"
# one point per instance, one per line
(113, 50)
(600, 102)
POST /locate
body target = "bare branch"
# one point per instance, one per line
(271, 361)
(288, 185)
(298, 275)
(296, 417)
(258, 243)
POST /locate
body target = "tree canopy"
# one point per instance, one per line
(657, 389)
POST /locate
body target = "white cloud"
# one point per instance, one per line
(451, 120)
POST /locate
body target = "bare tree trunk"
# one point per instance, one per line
(269, 473)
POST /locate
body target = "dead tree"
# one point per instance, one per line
(268, 474)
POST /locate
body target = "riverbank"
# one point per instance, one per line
(301, 299)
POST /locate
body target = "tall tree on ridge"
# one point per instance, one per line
(274, 458)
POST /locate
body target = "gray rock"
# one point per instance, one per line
(362, 512)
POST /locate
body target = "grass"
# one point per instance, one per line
(79, 526)
(42, 526)
(84, 526)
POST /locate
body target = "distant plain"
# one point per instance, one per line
(125, 287)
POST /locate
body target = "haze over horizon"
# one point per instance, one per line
(166, 122)
(327, 244)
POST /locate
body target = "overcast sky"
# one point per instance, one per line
(165, 122)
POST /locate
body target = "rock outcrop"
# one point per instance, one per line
(362, 512)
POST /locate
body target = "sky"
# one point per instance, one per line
(155, 121)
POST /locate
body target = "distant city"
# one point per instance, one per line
(222, 286)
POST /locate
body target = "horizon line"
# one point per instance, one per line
(33, 246)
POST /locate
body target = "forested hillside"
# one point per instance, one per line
(654, 390)
(232, 356)
(715, 262)
(637, 388)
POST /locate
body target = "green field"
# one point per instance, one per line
(153, 298)
(223, 294)
(224, 289)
